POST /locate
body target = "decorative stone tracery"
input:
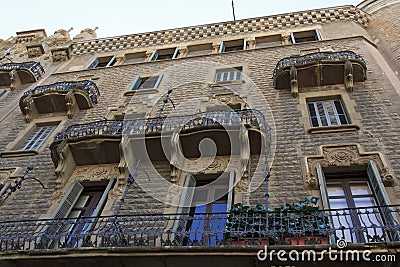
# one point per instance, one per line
(344, 155)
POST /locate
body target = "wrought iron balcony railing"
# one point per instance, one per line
(251, 118)
(361, 225)
(35, 68)
(315, 58)
(320, 69)
(86, 86)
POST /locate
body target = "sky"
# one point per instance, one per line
(120, 17)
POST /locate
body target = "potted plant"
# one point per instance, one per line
(292, 224)
(303, 222)
(246, 225)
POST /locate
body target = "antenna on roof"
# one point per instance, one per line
(233, 11)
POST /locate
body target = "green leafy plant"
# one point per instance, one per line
(304, 217)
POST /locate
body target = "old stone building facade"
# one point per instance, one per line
(131, 137)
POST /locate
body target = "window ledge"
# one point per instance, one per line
(18, 153)
(333, 129)
(141, 91)
(214, 84)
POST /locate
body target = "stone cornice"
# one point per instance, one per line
(372, 6)
(212, 31)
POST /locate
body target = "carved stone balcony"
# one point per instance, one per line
(100, 142)
(15, 74)
(318, 69)
(66, 97)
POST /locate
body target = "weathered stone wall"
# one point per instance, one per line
(384, 29)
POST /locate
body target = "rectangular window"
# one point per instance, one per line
(37, 138)
(268, 41)
(202, 207)
(360, 207)
(80, 203)
(327, 113)
(146, 82)
(234, 45)
(161, 54)
(135, 57)
(102, 62)
(225, 75)
(306, 36)
(200, 50)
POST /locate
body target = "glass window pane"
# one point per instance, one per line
(338, 106)
(200, 195)
(331, 112)
(81, 202)
(335, 190)
(314, 122)
(321, 113)
(340, 203)
(219, 207)
(360, 188)
(343, 119)
(364, 202)
(311, 109)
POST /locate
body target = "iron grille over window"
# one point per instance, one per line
(327, 113)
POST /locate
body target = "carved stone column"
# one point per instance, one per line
(29, 109)
(182, 52)
(348, 76)
(175, 152)
(294, 84)
(148, 55)
(72, 107)
(286, 39)
(215, 48)
(15, 81)
(251, 43)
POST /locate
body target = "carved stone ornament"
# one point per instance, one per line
(35, 50)
(59, 37)
(96, 172)
(60, 54)
(231, 99)
(344, 155)
(5, 174)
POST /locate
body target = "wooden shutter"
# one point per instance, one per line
(158, 80)
(94, 64)
(324, 197)
(68, 201)
(176, 53)
(322, 186)
(221, 47)
(61, 212)
(382, 199)
(292, 38)
(231, 185)
(184, 208)
(136, 83)
(154, 55)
